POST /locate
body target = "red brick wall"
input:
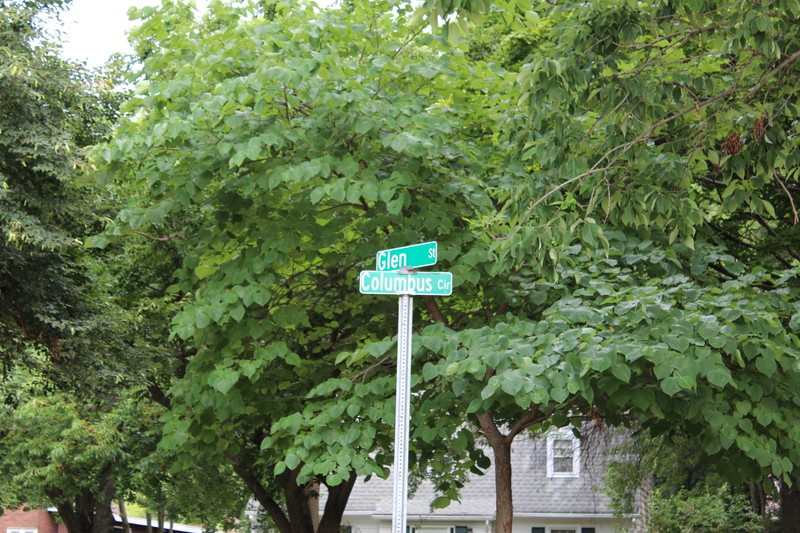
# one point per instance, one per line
(43, 521)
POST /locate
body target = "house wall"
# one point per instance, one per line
(601, 525)
(521, 525)
(542, 499)
(43, 521)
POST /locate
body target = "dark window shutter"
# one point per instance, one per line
(587, 530)
(537, 530)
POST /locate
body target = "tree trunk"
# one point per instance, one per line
(298, 516)
(123, 515)
(87, 514)
(75, 515)
(160, 519)
(758, 499)
(103, 517)
(334, 507)
(262, 495)
(312, 497)
(149, 518)
(790, 507)
(501, 447)
(296, 500)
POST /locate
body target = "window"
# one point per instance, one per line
(562, 531)
(21, 530)
(563, 456)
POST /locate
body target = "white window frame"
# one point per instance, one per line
(563, 434)
(18, 529)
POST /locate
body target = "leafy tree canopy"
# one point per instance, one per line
(610, 210)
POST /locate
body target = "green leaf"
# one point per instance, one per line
(223, 379)
(707, 331)
(622, 372)
(512, 383)
(719, 377)
(718, 341)
(677, 343)
(441, 502)
(670, 386)
(766, 365)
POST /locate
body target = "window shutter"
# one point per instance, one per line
(537, 530)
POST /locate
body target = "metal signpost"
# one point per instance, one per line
(395, 274)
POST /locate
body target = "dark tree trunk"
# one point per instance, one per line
(103, 517)
(758, 499)
(296, 498)
(299, 501)
(334, 507)
(149, 518)
(501, 447)
(262, 495)
(790, 507)
(87, 513)
(161, 519)
(75, 516)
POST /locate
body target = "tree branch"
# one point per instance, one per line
(261, 494)
(795, 218)
(433, 309)
(533, 416)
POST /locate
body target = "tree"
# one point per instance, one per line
(66, 451)
(71, 413)
(314, 134)
(50, 111)
(654, 117)
(281, 149)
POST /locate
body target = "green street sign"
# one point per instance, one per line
(414, 256)
(417, 284)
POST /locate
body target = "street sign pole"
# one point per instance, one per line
(402, 408)
(396, 274)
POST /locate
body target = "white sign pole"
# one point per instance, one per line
(402, 412)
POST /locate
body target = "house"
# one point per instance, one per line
(30, 521)
(46, 521)
(556, 482)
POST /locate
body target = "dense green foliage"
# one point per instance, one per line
(312, 139)
(612, 185)
(77, 346)
(702, 512)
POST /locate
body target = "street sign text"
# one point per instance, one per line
(414, 256)
(420, 283)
